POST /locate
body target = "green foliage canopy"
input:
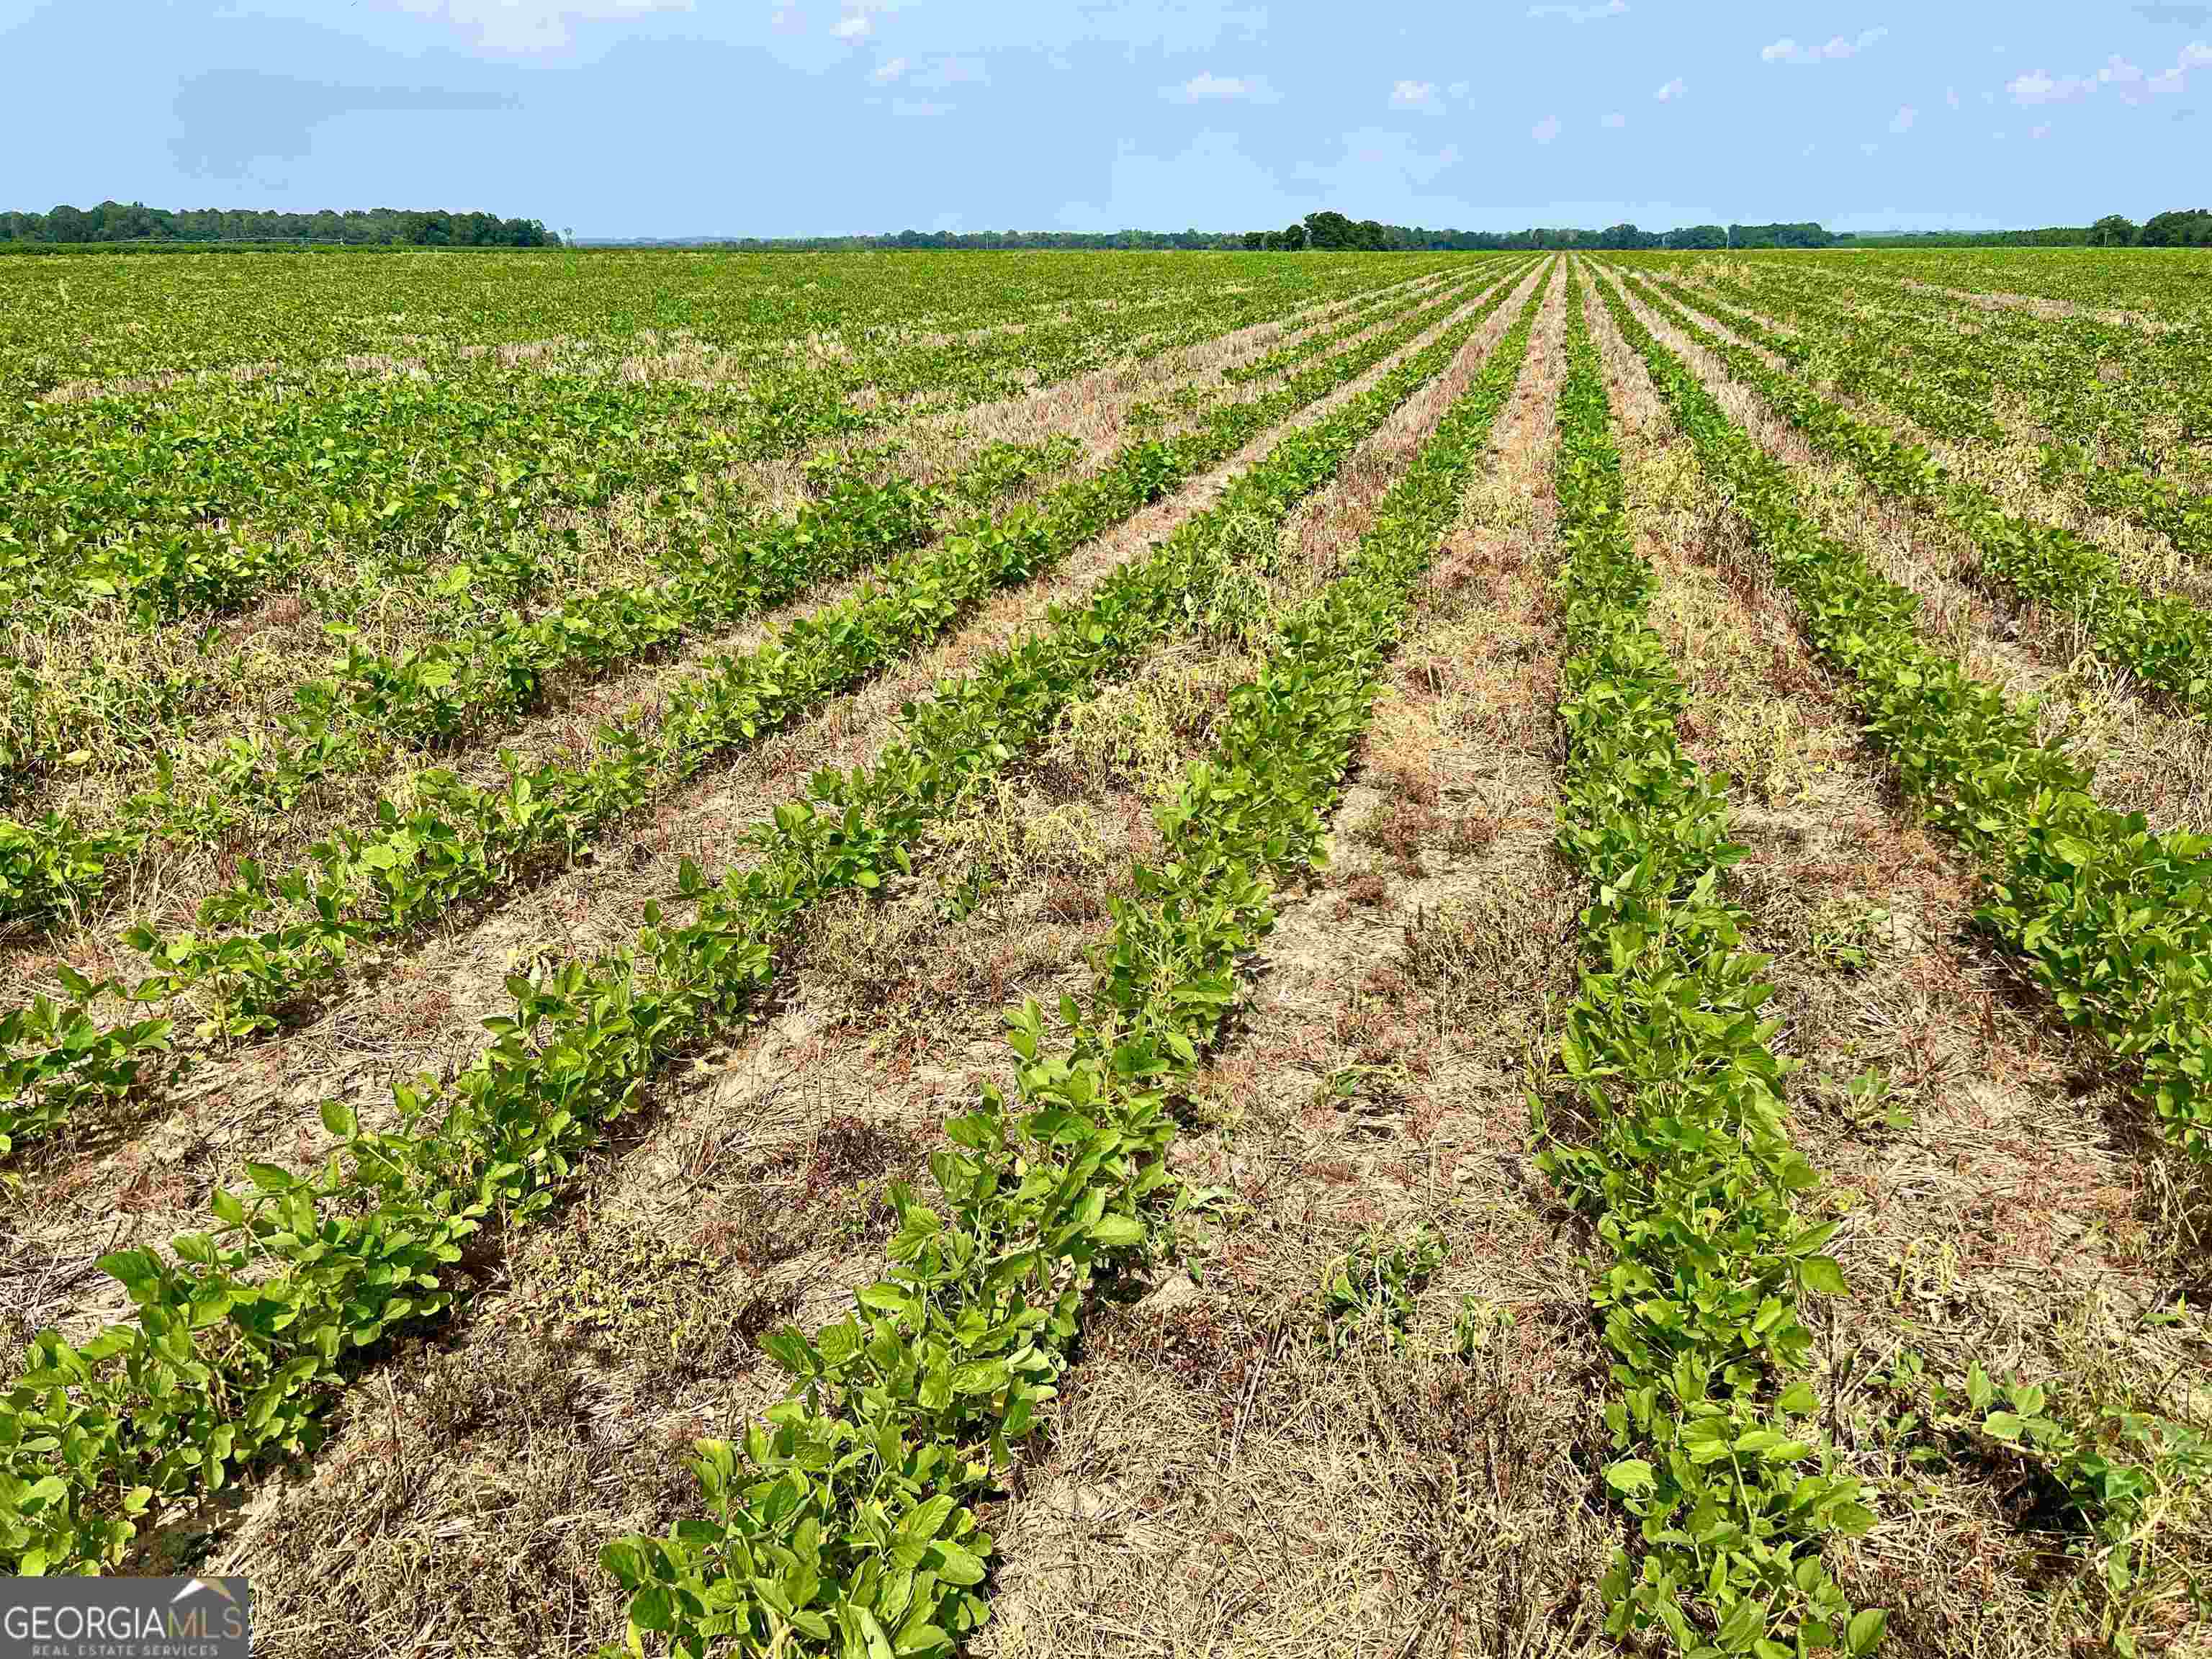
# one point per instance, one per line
(116, 222)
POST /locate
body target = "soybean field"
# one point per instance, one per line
(1050, 954)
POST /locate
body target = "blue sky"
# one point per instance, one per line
(788, 117)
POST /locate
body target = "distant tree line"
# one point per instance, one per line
(118, 221)
(2181, 228)
(2048, 236)
(903, 240)
(1322, 232)
(1325, 232)
(1335, 232)
(1329, 231)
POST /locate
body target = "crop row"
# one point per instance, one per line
(2135, 358)
(437, 696)
(2113, 921)
(1688, 1166)
(243, 1335)
(453, 689)
(446, 691)
(1351, 321)
(2111, 437)
(844, 1523)
(277, 310)
(54, 724)
(123, 316)
(166, 514)
(2174, 287)
(2131, 413)
(439, 693)
(200, 502)
(1945, 397)
(2163, 639)
(266, 947)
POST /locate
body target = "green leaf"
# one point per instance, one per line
(653, 1608)
(787, 1345)
(958, 1565)
(1867, 1627)
(1823, 1275)
(624, 1560)
(1798, 1399)
(1630, 1476)
(135, 1270)
(1743, 1626)
(1117, 1231)
(2072, 850)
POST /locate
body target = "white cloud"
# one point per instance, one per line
(887, 73)
(1951, 96)
(1459, 89)
(1787, 51)
(1674, 92)
(1868, 147)
(532, 26)
(2043, 132)
(919, 109)
(1545, 130)
(1414, 95)
(1614, 122)
(2135, 86)
(1902, 123)
(2038, 86)
(1581, 14)
(1207, 88)
(859, 20)
(2195, 55)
